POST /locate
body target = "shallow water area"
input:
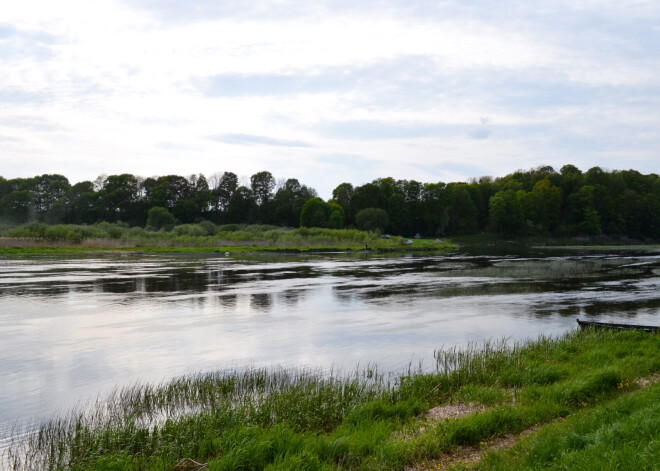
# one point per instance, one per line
(74, 328)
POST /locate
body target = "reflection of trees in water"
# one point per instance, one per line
(543, 310)
(542, 303)
(342, 295)
(623, 308)
(228, 301)
(370, 282)
(181, 280)
(261, 301)
(118, 286)
(41, 290)
(437, 289)
(562, 268)
(491, 288)
(568, 311)
(291, 297)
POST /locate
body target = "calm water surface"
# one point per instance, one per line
(71, 329)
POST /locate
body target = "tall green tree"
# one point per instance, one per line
(315, 213)
(48, 189)
(17, 206)
(366, 196)
(242, 207)
(288, 202)
(222, 194)
(463, 214)
(372, 219)
(120, 199)
(342, 195)
(262, 185)
(435, 206)
(337, 219)
(506, 214)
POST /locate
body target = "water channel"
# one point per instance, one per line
(73, 328)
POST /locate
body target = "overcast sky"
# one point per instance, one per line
(328, 91)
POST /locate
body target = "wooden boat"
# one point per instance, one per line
(612, 325)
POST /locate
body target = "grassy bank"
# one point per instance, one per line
(622, 434)
(306, 420)
(37, 238)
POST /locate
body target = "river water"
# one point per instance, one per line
(73, 328)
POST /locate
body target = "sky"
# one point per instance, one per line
(328, 91)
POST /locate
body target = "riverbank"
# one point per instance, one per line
(427, 246)
(206, 237)
(562, 389)
(37, 239)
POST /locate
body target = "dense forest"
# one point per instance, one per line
(541, 201)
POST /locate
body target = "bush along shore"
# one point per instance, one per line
(585, 400)
(202, 237)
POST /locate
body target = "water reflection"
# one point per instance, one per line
(71, 328)
(261, 302)
(291, 297)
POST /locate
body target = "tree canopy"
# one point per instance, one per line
(540, 201)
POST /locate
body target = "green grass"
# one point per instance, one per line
(623, 434)
(302, 419)
(422, 246)
(206, 237)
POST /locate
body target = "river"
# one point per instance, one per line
(74, 328)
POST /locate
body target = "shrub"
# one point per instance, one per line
(159, 217)
(209, 227)
(57, 232)
(189, 230)
(229, 228)
(115, 231)
(337, 218)
(315, 213)
(31, 229)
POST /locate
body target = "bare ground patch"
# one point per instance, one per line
(437, 414)
(649, 380)
(190, 465)
(452, 411)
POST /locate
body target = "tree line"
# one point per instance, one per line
(540, 201)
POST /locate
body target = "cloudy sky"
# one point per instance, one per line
(328, 91)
